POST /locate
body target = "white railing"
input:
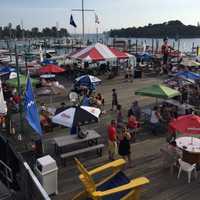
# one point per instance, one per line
(36, 182)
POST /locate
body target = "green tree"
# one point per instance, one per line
(18, 31)
(35, 31)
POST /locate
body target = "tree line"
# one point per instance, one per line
(18, 32)
(172, 29)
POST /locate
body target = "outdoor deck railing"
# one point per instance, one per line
(6, 173)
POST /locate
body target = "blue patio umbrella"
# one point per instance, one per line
(48, 61)
(188, 75)
(6, 69)
(88, 81)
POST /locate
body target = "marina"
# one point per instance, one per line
(105, 106)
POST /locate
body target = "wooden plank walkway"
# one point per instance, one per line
(147, 162)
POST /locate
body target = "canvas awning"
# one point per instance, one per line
(99, 52)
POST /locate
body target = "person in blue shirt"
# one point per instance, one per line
(86, 101)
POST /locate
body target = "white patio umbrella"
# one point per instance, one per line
(74, 115)
(3, 106)
(88, 79)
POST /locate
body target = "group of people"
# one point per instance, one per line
(122, 133)
(118, 143)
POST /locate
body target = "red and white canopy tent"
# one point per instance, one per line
(99, 52)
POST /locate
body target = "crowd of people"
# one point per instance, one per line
(121, 132)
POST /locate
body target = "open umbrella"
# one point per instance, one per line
(13, 82)
(51, 68)
(3, 106)
(87, 81)
(7, 69)
(187, 124)
(187, 75)
(158, 91)
(74, 115)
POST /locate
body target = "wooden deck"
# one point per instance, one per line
(147, 162)
(146, 152)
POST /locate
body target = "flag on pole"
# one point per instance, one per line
(31, 112)
(72, 22)
(3, 106)
(96, 19)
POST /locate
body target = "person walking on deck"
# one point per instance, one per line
(114, 99)
(112, 140)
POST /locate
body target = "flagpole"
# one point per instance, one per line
(83, 21)
(97, 33)
(19, 94)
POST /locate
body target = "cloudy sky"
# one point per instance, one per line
(112, 13)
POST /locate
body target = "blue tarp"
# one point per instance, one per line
(7, 69)
(188, 75)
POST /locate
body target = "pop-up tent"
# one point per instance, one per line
(99, 52)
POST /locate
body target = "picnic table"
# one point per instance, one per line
(73, 140)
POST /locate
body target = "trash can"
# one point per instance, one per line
(47, 172)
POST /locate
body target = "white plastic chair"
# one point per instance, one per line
(73, 96)
(184, 166)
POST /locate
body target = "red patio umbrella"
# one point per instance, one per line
(51, 68)
(186, 124)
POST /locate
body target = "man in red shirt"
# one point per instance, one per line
(166, 48)
(112, 140)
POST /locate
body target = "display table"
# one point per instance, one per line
(191, 149)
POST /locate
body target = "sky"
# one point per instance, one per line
(112, 14)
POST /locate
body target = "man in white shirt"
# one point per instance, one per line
(155, 120)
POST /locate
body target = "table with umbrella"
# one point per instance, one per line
(48, 72)
(73, 116)
(189, 126)
(51, 69)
